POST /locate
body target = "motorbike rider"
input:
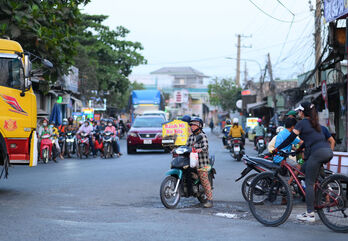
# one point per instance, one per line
(64, 124)
(44, 130)
(259, 131)
(236, 131)
(226, 131)
(55, 134)
(115, 143)
(318, 149)
(204, 167)
(87, 128)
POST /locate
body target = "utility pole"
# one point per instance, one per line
(272, 85)
(245, 73)
(317, 38)
(239, 46)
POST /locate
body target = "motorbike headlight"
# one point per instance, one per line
(133, 134)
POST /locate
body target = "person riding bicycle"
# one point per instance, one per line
(236, 131)
(259, 131)
(318, 149)
(204, 167)
(226, 131)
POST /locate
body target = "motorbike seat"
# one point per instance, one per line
(269, 164)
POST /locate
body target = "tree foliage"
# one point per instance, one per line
(105, 59)
(224, 93)
(45, 28)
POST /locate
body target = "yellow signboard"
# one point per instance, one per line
(251, 122)
(178, 130)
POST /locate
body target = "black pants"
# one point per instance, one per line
(313, 164)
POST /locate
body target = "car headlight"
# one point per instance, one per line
(133, 134)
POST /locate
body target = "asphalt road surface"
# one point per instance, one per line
(118, 199)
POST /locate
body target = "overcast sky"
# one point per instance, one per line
(202, 33)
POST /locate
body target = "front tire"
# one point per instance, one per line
(246, 184)
(169, 199)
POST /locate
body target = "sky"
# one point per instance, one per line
(203, 34)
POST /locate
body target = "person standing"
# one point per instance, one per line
(201, 147)
(211, 125)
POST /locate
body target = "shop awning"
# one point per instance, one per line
(256, 105)
(309, 98)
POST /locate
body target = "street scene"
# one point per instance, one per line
(158, 120)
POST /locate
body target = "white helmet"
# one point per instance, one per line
(235, 120)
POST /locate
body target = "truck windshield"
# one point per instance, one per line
(11, 73)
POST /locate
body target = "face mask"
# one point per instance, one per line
(51, 126)
(109, 124)
(44, 124)
(196, 131)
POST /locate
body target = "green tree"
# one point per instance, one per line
(224, 93)
(44, 28)
(106, 58)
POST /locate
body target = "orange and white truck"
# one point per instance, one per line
(18, 139)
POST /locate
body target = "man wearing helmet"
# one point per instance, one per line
(226, 131)
(259, 131)
(236, 130)
(203, 157)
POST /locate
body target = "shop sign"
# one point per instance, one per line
(334, 9)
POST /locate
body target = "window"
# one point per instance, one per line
(148, 122)
(11, 73)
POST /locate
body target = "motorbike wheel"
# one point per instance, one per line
(169, 199)
(106, 151)
(245, 185)
(45, 155)
(202, 198)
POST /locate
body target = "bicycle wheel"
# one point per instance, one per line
(332, 202)
(246, 184)
(270, 199)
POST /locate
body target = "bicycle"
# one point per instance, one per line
(271, 199)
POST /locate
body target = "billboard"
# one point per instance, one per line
(334, 9)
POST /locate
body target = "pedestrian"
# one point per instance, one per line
(211, 125)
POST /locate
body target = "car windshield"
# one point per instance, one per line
(148, 122)
(11, 73)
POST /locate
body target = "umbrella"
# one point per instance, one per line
(56, 116)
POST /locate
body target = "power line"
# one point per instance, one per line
(280, 20)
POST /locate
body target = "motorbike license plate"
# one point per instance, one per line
(236, 148)
(69, 140)
(261, 141)
(147, 141)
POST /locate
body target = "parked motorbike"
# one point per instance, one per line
(107, 144)
(69, 143)
(236, 148)
(83, 145)
(183, 181)
(46, 148)
(260, 144)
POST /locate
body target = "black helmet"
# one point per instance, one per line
(197, 121)
(186, 118)
(228, 122)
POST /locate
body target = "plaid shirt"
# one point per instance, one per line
(203, 156)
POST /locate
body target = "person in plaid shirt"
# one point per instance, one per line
(203, 157)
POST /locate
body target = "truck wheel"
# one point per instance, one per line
(130, 150)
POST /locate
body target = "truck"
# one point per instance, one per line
(141, 101)
(18, 119)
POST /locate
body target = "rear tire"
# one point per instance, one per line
(334, 187)
(168, 186)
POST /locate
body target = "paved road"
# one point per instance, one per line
(118, 199)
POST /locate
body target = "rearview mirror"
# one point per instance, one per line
(26, 66)
(47, 63)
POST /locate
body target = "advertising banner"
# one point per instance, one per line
(334, 9)
(175, 133)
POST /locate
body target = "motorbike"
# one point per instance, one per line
(83, 145)
(61, 141)
(121, 131)
(55, 153)
(69, 143)
(225, 132)
(236, 148)
(260, 144)
(107, 144)
(46, 148)
(183, 181)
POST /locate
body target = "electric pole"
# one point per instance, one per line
(239, 46)
(272, 85)
(317, 38)
(245, 73)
